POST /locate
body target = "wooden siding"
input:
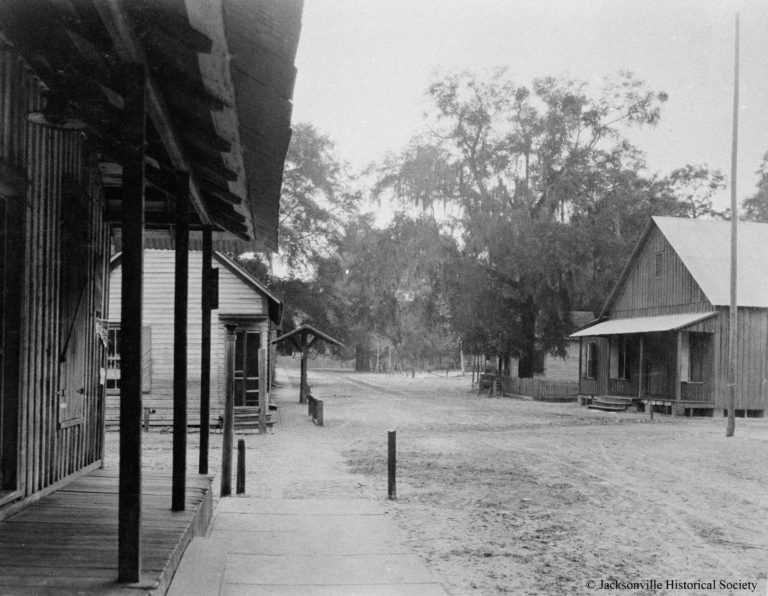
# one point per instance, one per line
(54, 376)
(644, 294)
(752, 359)
(556, 367)
(236, 299)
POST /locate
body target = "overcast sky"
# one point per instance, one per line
(364, 66)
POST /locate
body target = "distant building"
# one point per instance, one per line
(564, 368)
(243, 301)
(662, 336)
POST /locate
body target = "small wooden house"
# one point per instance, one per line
(242, 300)
(662, 336)
(561, 368)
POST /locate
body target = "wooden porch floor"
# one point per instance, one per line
(67, 542)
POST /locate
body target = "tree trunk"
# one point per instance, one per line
(362, 359)
(525, 367)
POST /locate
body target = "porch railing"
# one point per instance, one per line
(622, 387)
(540, 388)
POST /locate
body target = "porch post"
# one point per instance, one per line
(677, 410)
(640, 376)
(263, 391)
(581, 357)
(129, 501)
(679, 366)
(229, 414)
(181, 283)
(205, 356)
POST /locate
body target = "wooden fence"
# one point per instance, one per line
(541, 389)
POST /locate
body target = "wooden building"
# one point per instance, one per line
(662, 336)
(242, 300)
(553, 367)
(132, 115)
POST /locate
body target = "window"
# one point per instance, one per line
(113, 359)
(591, 358)
(697, 343)
(659, 264)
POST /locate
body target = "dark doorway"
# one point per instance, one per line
(247, 344)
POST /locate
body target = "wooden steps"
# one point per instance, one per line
(610, 403)
(247, 417)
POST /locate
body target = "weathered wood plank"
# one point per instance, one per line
(62, 544)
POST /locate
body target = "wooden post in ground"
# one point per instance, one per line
(229, 414)
(263, 389)
(205, 355)
(181, 284)
(391, 465)
(733, 309)
(129, 501)
(240, 485)
(303, 387)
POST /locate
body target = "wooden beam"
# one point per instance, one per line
(128, 47)
(205, 356)
(129, 507)
(180, 331)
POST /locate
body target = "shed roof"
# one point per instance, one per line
(643, 324)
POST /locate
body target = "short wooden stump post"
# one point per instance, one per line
(391, 465)
(240, 486)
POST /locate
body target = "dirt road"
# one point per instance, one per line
(511, 496)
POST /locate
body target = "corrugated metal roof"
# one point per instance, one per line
(644, 324)
(704, 246)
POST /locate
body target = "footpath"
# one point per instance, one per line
(302, 528)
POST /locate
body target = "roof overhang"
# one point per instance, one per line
(219, 74)
(657, 324)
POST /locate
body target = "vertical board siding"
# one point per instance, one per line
(751, 363)
(236, 298)
(643, 294)
(47, 157)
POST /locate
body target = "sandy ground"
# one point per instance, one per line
(511, 496)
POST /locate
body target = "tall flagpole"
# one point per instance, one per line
(732, 332)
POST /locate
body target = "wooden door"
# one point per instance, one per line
(247, 344)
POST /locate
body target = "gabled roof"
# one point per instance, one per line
(274, 304)
(704, 247)
(309, 330)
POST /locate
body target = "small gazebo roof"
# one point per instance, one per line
(307, 330)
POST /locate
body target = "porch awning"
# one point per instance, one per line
(644, 324)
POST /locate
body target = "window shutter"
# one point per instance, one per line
(685, 357)
(614, 361)
(146, 359)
